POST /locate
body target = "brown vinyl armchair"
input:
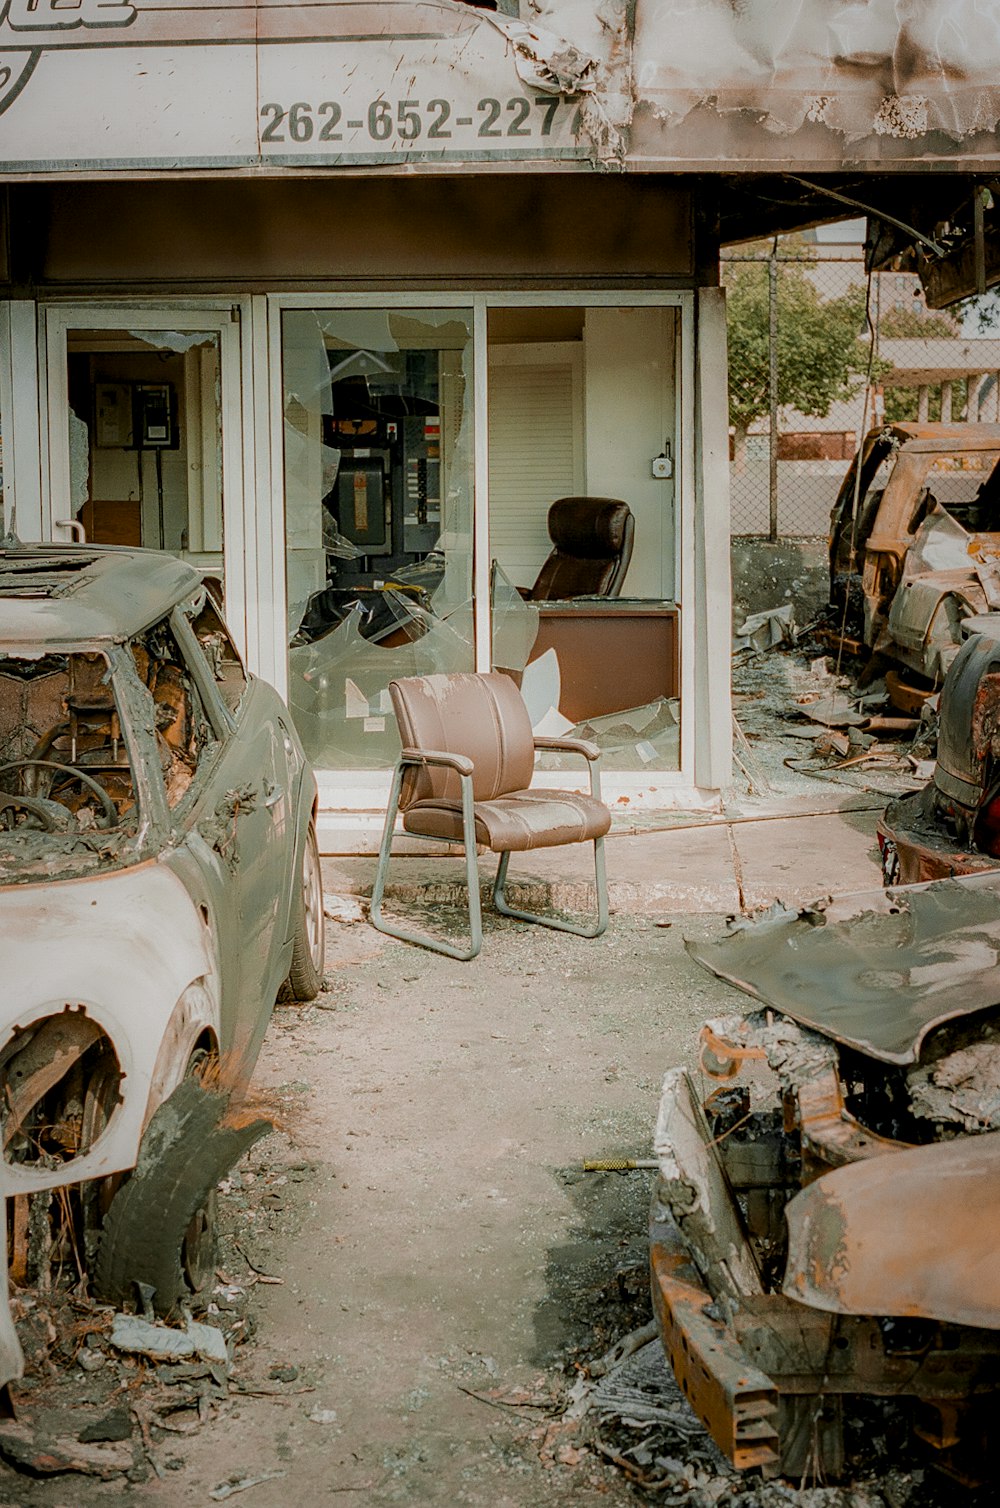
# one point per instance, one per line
(463, 776)
(591, 549)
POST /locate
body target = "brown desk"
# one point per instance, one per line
(614, 653)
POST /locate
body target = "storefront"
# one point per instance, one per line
(337, 301)
(352, 406)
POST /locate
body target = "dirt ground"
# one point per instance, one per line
(415, 1270)
(434, 1234)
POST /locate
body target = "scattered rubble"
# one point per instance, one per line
(802, 716)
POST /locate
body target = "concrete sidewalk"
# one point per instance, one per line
(723, 864)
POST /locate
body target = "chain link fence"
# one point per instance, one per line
(818, 355)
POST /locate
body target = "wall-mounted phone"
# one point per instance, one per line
(155, 416)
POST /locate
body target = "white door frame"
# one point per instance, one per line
(367, 790)
(216, 316)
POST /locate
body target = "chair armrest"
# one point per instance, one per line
(570, 746)
(458, 762)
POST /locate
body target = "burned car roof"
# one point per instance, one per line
(71, 594)
(876, 971)
(933, 436)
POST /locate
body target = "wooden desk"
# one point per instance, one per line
(614, 653)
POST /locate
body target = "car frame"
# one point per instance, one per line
(905, 567)
(952, 825)
(825, 1214)
(159, 884)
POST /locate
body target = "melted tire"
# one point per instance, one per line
(185, 1151)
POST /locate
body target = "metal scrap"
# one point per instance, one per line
(866, 1239)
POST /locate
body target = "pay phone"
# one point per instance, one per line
(386, 499)
(155, 405)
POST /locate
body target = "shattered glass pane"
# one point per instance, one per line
(378, 516)
(515, 623)
(338, 684)
(642, 738)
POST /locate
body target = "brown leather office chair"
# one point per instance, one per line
(463, 777)
(591, 548)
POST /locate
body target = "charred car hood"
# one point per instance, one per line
(876, 971)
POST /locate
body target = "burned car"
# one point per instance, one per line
(826, 1218)
(915, 541)
(952, 826)
(159, 883)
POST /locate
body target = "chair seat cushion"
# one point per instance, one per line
(514, 823)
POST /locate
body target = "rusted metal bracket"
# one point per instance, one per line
(737, 1404)
(830, 1135)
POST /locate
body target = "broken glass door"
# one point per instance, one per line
(378, 473)
(138, 454)
(583, 410)
(145, 441)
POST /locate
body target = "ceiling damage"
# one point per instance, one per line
(874, 99)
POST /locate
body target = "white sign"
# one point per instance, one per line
(107, 84)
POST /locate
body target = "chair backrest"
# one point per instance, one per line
(592, 546)
(480, 716)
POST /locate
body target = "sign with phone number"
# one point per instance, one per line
(203, 84)
(542, 119)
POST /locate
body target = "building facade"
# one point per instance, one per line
(336, 301)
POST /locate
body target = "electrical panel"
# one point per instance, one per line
(422, 497)
(113, 415)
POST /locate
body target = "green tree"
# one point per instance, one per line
(821, 350)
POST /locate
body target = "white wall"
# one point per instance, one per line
(629, 359)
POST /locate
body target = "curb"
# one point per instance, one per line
(625, 897)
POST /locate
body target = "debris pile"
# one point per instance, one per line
(630, 1412)
(112, 1395)
(801, 717)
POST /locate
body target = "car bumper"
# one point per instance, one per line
(912, 854)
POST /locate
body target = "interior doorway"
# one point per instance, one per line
(145, 435)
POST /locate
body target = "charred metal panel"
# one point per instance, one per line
(876, 971)
(912, 1235)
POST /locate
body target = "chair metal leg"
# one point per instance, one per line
(422, 939)
(601, 884)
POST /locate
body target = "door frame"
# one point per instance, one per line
(367, 790)
(216, 316)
